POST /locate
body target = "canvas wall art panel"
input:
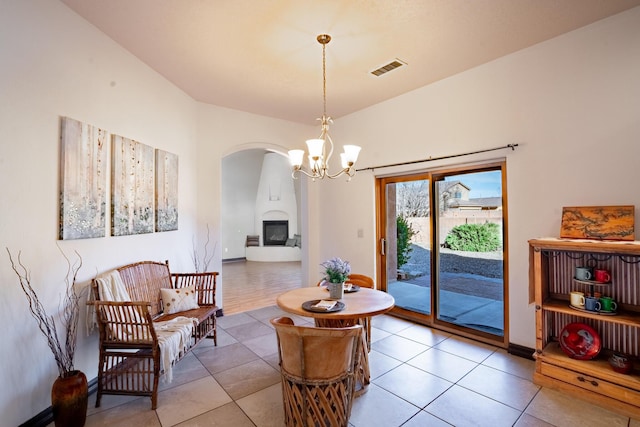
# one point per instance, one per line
(132, 187)
(166, 191)
(598, 222)
(83, 180)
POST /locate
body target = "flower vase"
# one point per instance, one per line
(69, 397)
(336, 290)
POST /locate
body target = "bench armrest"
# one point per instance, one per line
(205, 284)
(125, 322)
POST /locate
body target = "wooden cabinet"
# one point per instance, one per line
(552, 266)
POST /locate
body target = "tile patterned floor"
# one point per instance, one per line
(420, 377)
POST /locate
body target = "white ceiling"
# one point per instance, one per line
(261, 56)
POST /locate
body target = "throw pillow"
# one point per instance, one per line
(176, 300)
(290, 242)
(298, 238)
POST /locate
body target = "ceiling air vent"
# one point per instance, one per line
(388, 67)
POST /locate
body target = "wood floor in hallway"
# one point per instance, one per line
(248, 285)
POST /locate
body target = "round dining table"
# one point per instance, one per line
(363, 303)
(358, 306)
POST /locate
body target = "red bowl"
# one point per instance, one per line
(580, 341)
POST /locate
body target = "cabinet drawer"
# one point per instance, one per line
(587, 382)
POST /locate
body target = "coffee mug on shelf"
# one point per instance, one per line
(577, 299)
(602, 276)
(608, 304)
(592, 304)
(584, 273)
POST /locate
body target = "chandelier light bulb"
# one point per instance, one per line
(296, 157)
(315, 147)
(351, 153)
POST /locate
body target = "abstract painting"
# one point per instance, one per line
(132, 187)
(83, 180)
(598, 222)
(166, 191)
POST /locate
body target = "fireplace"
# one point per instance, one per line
(275, 233)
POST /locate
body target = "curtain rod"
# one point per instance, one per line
(431, 159)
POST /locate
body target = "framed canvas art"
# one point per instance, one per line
(132, 187)
(166, 191)
(83, 180)
(598, 222)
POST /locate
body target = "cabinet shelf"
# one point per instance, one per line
(621, 318)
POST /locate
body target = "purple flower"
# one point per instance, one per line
(336, 270)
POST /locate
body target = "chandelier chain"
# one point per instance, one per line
(324, 79)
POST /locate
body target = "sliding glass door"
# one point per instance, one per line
(408, 243)
(442, 246)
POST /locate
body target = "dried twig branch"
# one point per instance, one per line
(203, 265)
(46, 323)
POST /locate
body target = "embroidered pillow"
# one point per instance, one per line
(176, 300)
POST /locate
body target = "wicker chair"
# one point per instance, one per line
(318, 367)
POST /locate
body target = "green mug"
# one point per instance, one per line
(608, 304)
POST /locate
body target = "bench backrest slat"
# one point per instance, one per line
(144, 280)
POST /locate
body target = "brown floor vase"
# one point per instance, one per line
(69, 398)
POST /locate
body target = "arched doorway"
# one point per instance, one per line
(254, 281)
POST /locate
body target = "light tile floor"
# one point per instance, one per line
(420, 377)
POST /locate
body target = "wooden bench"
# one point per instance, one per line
(130, 362)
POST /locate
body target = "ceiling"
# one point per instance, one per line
(262, 56)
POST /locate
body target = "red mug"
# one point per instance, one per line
(602, 276)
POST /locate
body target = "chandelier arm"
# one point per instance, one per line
(327, 138)
(314, 175)
(346, 171)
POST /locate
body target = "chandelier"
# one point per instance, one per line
(321, 149)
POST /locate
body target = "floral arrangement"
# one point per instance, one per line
(336, 270)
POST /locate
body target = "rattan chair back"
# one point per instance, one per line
(318, 367)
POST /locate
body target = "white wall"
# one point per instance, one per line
(55, 64)
(276, 197)
(238, 203)
(572, 104)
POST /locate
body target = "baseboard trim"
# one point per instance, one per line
(45, 418)
(520, 350)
